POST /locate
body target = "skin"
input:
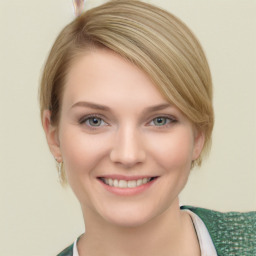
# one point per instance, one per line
(124, 138)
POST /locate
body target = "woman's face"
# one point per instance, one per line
(126, 150)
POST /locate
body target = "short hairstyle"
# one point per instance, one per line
(154, 40)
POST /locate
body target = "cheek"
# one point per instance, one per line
(174, 151)
(174, 156)
(80, 152)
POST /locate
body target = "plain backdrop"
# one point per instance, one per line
(37, 216)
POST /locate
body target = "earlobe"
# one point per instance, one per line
(199, 144)
(51, 133)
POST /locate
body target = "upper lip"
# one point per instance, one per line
(124, 177)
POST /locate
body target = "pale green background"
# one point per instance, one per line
(38, 217)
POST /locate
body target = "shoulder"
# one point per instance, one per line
(233, 233)
(67, 252)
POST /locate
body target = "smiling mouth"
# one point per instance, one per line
(125, 183)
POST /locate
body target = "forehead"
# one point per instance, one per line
(102, 75)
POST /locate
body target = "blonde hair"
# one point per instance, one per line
(156, 41)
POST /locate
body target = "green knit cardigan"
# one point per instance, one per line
(232, 233)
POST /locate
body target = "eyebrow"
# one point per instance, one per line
(105, 108)
(90, 105)
(157, 107)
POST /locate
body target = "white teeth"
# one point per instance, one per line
(115, 184)
(110, 182)
(122, 184)
(132, 183)
(126, 184)
(139, 182)
(144, 181)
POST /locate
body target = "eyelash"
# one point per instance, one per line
(168, 118)
(169, 121)
(86, 118)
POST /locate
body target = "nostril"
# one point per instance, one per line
(126, 158)
(127, 148)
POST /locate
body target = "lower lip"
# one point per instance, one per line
(128, 191)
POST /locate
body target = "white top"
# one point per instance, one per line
(75, 252)
(205, 241)
(204, 238)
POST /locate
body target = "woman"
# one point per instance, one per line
(126, 105)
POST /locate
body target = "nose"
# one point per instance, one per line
(127, 148)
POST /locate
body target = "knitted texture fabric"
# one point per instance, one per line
(232, 233)
(67, 252)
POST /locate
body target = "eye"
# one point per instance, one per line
(93, 121)
(162, 120)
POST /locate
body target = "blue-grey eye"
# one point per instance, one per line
(159, 121)
(94, 121)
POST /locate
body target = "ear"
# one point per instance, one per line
(198, 144)
(51, 133)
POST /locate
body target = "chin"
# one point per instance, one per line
(127, 221)
(130, 217)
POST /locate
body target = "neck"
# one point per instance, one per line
(171, 233)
